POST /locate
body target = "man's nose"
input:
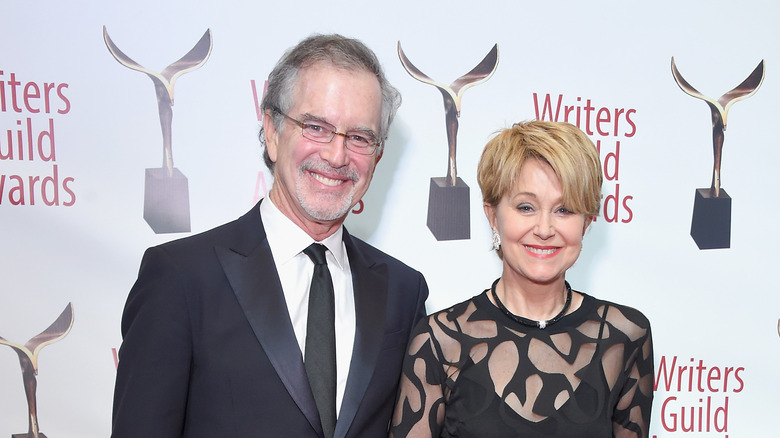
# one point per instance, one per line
(335, 152)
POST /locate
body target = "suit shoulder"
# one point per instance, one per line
(373, 253)
(244, 229)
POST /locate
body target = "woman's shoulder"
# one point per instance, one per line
(624, 317)
(454, 311)
(444, 335)
(460, 318)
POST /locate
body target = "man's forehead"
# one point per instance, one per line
(328, 66)
(323, 69)
(322, 87)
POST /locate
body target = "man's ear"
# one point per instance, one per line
(271, 134)
(381, 151)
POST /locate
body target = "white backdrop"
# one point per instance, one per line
(714, 312)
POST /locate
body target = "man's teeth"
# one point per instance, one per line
(325, 180)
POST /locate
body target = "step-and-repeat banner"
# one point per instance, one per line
(127, 124)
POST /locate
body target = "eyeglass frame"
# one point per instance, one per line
(377, 144)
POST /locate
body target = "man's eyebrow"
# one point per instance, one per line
(308, 116)
(312, 117)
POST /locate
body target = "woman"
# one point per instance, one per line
(530, 357)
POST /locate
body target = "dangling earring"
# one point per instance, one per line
(496, 240)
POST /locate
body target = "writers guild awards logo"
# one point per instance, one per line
(28, 359)
(711, 223)
(166, 195)
(448, 198)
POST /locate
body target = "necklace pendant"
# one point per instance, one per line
(542, 324)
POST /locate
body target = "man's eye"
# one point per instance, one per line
(316, 128)
(359, 140)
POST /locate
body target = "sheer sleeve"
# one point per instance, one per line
(419, 408)
(631, 418)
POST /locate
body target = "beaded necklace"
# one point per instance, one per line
(530, 322)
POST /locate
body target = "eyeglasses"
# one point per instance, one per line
(362, 142)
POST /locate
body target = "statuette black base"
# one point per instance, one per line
(711, 223)
(166, 201)
(27, 435)
(448, 210)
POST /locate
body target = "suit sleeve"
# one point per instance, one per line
(422, 296)
(150, 396)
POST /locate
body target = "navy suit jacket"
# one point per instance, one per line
(209, 350)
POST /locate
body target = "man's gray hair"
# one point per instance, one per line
(334, 49)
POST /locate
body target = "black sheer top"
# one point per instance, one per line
(471, 371)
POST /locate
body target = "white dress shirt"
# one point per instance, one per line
(295, 269)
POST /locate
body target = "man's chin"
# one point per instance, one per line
(326, 205)
(327, 212)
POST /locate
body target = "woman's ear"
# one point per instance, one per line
(588, 220)
(490, 213)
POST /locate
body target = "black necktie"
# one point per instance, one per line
(320, 356)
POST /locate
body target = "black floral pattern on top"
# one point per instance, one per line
(471, 371)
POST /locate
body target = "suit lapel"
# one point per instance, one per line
(253, 277)
(370, 286)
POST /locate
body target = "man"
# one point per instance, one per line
(215, 328)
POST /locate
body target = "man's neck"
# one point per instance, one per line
(317, 230)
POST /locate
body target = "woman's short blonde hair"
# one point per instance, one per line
(570, 153)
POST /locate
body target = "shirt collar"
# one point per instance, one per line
(287, 239)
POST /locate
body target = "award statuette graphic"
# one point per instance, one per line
(166, 195)
(448, 198)
(28, 359)
(711, 223)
